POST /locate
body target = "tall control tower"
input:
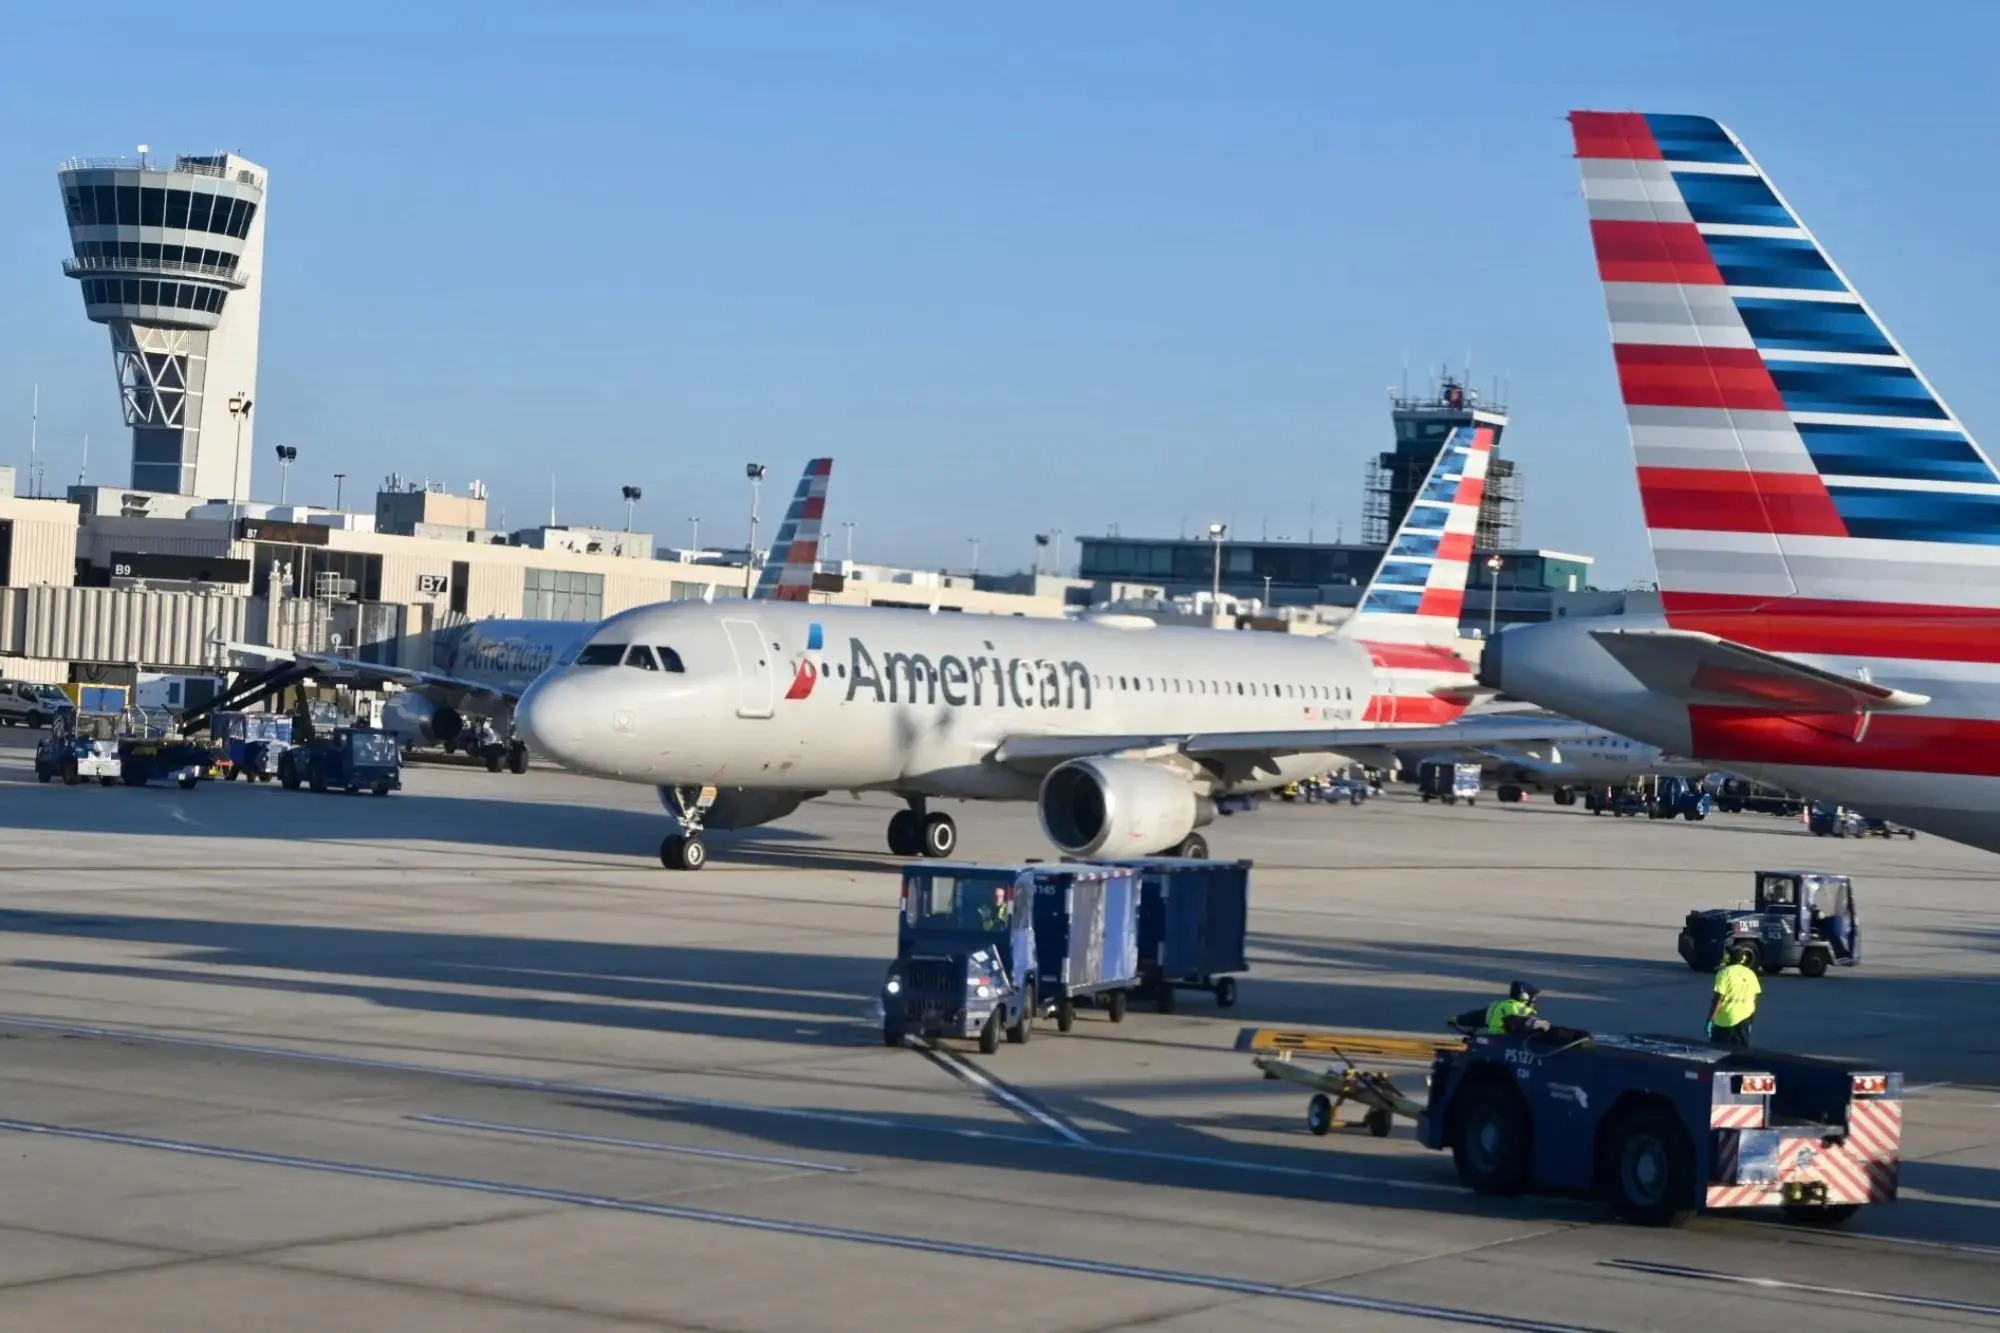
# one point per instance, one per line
(168, 258)
(1422, 426)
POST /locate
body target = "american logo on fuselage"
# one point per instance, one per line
(976, 682)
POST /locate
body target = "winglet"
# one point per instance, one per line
(794, 554)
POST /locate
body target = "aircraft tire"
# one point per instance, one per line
(1194, 847)
(940, 836)
(904, 839)
(680, 853)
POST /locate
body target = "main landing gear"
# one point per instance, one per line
(913, 832)
(685, 850)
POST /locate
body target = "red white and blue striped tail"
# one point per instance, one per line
(1792, 459)
(1419, 588)
(794, 554)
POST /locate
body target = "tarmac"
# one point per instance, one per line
(467, 1057)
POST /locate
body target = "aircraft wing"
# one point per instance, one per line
(1241, 753)
(348, 668)
(1705, 669)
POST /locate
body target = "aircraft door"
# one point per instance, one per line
(756, 675)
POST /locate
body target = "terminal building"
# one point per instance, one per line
(168, 257)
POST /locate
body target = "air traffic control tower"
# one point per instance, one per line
(168, 258)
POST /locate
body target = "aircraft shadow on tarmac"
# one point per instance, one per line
(266, 812)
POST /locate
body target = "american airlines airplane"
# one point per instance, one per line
(482, 668)
(1827, 534)
(1124, 732)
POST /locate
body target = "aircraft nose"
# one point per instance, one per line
(549, 719)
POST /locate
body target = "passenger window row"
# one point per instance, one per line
(1243, 688)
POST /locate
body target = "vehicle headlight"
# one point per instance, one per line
(984, 992)
(895, 986)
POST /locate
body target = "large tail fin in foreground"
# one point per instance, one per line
(1419, 588)
(1787, 448)
(788, 568)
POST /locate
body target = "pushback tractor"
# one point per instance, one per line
(1663, 1128)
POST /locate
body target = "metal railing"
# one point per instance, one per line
(185, 166)
(80, 268)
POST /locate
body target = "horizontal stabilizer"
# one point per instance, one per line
(1702, 668)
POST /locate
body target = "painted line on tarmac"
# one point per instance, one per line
(1779, 1284)
(610, 1141)
(516, 1081)
(529, 1084)
(965, 1070)
(815, 1231)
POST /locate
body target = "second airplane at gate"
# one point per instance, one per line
(1124, 732)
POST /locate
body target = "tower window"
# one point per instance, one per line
(177, 208)
(198, 206)
(128, 205)
(153, 208)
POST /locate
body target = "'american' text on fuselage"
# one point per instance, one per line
(960, 682)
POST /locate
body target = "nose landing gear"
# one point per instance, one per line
(684, 850)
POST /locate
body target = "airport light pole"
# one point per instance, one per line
(694, 534)
(239, 408)
(1216, 532)
(975, 555)
(339, 480)
(849, 525)
(755, 472)
(1493, 563)
(287, 455)
(1267, 590)
(632, 496)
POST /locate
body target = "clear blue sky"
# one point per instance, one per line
(1016, 267)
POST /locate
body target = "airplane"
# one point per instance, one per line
(1826, 532)
(1602, 758)
(1128, 735)
(482, 668)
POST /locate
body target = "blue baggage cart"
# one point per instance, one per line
(1086, 936)
(1194, 917)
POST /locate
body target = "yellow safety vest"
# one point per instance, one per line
(1739, 988)
(1498, 1012)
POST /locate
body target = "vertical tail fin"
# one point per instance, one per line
(1419, 588)
(1787, 448)
(788, 568)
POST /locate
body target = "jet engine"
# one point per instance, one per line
(1119, 807)
(741, 807)
(414, 717)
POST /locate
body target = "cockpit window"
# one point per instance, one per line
(601, 654)
(670, 660)
(642, 657)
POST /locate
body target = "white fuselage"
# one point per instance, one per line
(798, 697)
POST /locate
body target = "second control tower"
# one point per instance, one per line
(168, 259)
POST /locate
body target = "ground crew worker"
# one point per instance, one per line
(1515, 1014)
(1735, 1000)
(1519, 1004)
(993, 915)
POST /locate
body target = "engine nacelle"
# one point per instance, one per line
(1118, 807)
(411, 715)
(740, 807)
